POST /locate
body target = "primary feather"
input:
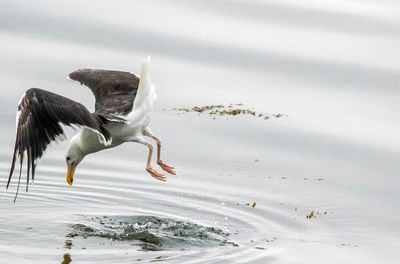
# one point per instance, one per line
(40, 114)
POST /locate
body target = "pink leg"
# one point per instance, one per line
(163, 165)
(150, 169)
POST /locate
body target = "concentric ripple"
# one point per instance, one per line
(126, 215)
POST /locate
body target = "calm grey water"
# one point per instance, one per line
(331, 67)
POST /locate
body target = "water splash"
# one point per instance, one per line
(152, 232)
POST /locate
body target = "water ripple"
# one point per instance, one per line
(142, 215)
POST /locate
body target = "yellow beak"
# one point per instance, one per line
(70, 173)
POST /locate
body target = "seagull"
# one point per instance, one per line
(124, 102)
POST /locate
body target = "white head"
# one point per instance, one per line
(73, 157)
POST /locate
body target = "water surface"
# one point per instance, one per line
(330, 67)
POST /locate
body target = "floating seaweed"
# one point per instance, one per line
(68, 244)
(221, 110)
(67, 259)
(248, 204)
(311, 215)
(314, 213)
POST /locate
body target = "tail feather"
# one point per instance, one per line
(145, 93)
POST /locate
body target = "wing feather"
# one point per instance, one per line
(115, 91)
(39, 118)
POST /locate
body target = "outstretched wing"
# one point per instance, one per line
(39, 118)
(114, 91)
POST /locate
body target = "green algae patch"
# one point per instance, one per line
(80, 227)
(131, 235)
(144, 236)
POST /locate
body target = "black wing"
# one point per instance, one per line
(39, 116)
(114, 91)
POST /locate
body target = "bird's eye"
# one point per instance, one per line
(68, 158)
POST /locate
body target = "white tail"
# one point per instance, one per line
(146, 90)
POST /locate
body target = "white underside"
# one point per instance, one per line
(138, 120)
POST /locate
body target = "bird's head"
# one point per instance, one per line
(73, 157)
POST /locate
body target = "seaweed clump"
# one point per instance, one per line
(231, 110)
